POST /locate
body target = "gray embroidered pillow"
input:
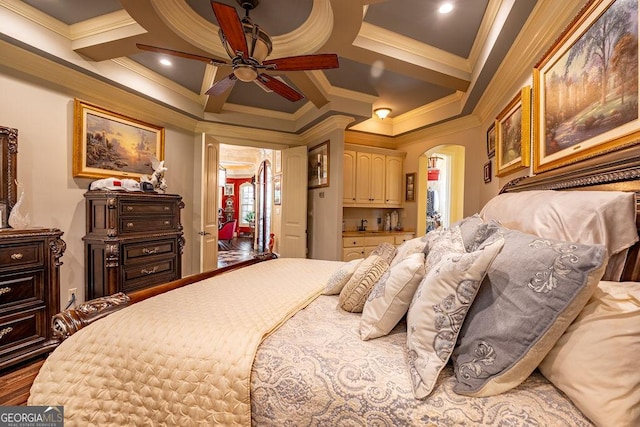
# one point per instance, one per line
(533, 290)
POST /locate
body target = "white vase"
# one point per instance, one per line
(16, 219)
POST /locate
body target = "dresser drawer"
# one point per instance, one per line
(141, 225)
(21, 330)
(149, 274)
(21, 255)
(403, 238)
(377, 240)
(145, 208)
(133, 252)
(21, 288)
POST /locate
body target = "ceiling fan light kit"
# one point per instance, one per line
(248, 46)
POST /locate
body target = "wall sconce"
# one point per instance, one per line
(382, 112)
(222, 176)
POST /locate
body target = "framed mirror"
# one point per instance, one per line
(8, 164)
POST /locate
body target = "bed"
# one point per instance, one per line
(425, 334)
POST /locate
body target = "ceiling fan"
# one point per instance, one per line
(248, 46)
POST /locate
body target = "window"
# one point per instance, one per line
(247, 207)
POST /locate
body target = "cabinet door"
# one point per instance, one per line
(349, 177)
(378, 174)
(349, 254)
(393, 187)
(363, 178)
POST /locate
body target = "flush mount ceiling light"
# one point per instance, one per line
(382, 112)
(445, 7)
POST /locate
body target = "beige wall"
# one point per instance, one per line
(53, 198)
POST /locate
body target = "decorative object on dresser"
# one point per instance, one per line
(29, 292)
(133, 241)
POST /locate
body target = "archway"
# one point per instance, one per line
(441, 170)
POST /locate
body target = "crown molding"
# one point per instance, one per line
(323, 128)
(100, 24)
(448, 128)
(34, 15)
(385, 42)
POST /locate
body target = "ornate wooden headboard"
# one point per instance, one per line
(616, 171)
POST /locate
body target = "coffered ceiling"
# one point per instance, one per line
(426, 66)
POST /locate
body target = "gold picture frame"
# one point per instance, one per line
(585, 88)
(108, 144)
(513, 134)
(318, 160)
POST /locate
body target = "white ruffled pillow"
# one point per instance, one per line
(390, 297)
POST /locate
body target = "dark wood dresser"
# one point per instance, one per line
(29, 292)
(134, 241)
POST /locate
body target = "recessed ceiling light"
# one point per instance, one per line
(445, 7)
(165, 62)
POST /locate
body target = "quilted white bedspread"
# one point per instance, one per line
(181, 358)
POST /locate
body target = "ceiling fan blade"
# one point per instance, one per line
(231, 26)
(305, 62)
(222, 86)
(180, 54)
(280, 88)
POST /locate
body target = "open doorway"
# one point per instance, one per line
(240, 196)
(443, 171)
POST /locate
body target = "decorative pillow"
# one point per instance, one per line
(469, 229)
(386, 251)
(533, 290)
(595, 362)
(408, 248)
(356, 291)
(391, 296)
(440, 242)
(438, 309)
(588, 217)
(340, 277)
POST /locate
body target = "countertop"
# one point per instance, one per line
(354, 233)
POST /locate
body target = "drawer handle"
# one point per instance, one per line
(148, 251)
(130, 208)
(5, 290)
(153, 270)
(167, 223)
(166, 208)
(5, 331)
(129, 224)
(16, 256)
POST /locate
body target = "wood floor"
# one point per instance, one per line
(239, 249)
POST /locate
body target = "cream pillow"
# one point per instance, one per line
(386, 251)
(438, 309)
(391, 296)
(356, 291)
(595, 362)
(408, 248)
(340, 277)
(588, 217)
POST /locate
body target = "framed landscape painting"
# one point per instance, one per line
(513, 130)
(108, 144)
(586, 87)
